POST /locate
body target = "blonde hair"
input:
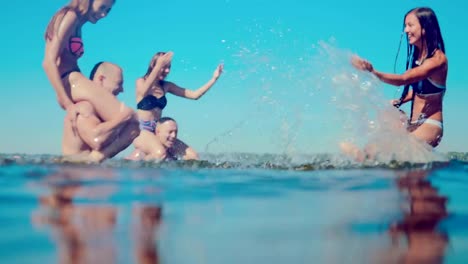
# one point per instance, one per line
(81, 7)
(153, 63)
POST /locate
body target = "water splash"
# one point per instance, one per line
(237, 161)
(307, 98)
(276, 82)
(368, 119)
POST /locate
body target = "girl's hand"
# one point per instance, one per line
(361, 64)
(73, 110)
(64, 102)
(218, 71)
(72, 115)
(395, 102)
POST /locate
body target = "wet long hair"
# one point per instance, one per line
(152, 63)
(431, 39)
(81, 7)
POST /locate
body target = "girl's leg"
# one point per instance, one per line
(369, 152)
(123, 140)
(148, 143)
(430, 133)
(352, 151)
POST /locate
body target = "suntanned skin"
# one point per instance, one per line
(93, 139)
(434, 66)
(153, 83)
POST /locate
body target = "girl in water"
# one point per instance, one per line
(151, 90)
(426, 75)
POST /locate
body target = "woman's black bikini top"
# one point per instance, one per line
(427, 86)
(150, 102)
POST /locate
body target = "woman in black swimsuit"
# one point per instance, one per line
(425, 77)
(151, 92)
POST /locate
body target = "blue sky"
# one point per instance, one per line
(269, 98)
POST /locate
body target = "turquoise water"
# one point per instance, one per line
(259, 209)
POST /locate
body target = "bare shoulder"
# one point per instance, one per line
(139, 83)
(438, 62)
(438, 67)
(440, 57)
(70, 14)
(66, 21)
(66, 16)
(168, 86)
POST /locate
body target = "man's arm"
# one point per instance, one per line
(93, 131)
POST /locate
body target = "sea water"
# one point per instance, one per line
(215, 211)
(407, 205)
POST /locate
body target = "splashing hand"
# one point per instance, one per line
(361, 64)
(218, 71)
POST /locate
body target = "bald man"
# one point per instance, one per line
(86, 137)
(171, 148)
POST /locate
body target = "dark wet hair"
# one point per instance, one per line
(431, 39)
(94, 70)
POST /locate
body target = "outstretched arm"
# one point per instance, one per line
(196, 94)
(413, 75)
(53, 49)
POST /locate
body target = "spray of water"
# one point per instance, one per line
(371, 125)
(275, 83)
(305, 99)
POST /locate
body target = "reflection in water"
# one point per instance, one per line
(86, 232)
(418, 229)
(98, 217)
(148, 218)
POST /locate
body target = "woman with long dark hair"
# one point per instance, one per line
(425, 76)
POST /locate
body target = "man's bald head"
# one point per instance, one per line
(166, 131)
(108, 75)
(104, 68)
